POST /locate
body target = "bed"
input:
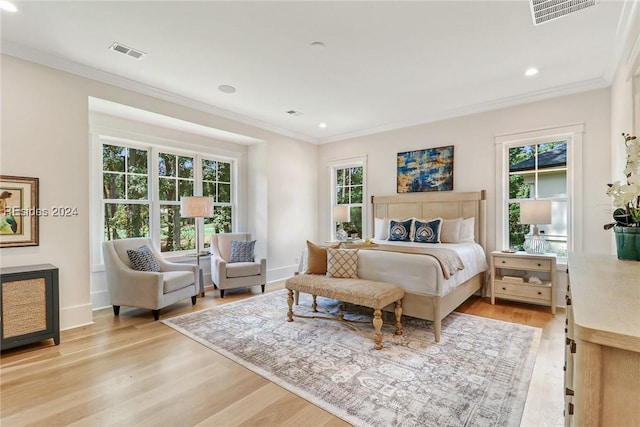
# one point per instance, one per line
(428, 293)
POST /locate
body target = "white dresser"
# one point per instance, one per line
(602, 357)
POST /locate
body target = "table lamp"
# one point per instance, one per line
(196, 207)
(341, 214)
(535, 212)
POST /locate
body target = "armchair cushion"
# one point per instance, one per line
(175, 280)
(243, 269)
(142, 259)
(242, 251)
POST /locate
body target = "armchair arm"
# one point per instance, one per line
(218, 269)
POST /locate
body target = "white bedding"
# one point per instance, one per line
(417, 273)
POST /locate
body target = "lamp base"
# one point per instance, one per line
(535, 244)
(341, 234)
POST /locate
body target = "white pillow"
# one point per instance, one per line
(450, 231)
(381, 229)
(467, 231)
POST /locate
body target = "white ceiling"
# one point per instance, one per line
(385, 65)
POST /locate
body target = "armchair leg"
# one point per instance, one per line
(116, 310)
(262, 286)
(156, 314)
(221, 293)
(193, 299)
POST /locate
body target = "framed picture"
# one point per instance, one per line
(430, 169)
(18, 211)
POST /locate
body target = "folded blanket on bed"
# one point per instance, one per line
(448, 259)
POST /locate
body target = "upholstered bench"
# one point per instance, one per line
(367, 293)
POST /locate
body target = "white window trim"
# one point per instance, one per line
(333, 165)
(573, 134)
(153, 148)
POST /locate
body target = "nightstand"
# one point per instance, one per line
(511, 274)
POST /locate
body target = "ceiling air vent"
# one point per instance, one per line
(294, 113)
(547, 10)
(119, 47)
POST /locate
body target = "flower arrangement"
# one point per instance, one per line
(626, 196)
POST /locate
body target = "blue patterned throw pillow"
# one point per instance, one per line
(242, 251)
(142, 259)
(400, 231)
(427, 231)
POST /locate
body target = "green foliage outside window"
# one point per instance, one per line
(350, 191)
(127, 202)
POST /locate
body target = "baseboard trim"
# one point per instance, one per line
(281, 273)
(76, 316)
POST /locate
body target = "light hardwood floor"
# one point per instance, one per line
(130, 370)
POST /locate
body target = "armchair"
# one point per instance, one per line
(146, 289)
(228, 275)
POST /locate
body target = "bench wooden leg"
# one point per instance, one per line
(377, 325)
(398, 312)
(290, 304)
(314, 305)
(297, 294)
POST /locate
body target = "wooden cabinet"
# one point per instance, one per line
(602, 354)
(511, 275)
(29, 311)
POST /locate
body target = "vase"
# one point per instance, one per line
(628, 242)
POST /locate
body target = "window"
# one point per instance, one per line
(545, 165)
(131, 184)
(216, 183)
(539, 171)
(175, 180)
(125, 177)
(349, 189)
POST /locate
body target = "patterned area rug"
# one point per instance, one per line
(478, 375)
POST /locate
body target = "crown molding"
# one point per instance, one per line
(627, 26)
(584, 86)
(56, 62)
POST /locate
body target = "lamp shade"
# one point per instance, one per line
(341, 213)
(535, 212)
(196, 207)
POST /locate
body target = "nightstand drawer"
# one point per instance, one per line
(525, 290)
(522, 263)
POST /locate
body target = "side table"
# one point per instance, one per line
(518, 286)
(201, 278)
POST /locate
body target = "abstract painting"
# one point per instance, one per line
(430, 169)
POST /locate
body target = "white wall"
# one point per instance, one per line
(45, 134)
(474, 158)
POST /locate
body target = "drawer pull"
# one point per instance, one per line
(504, 262)
(570, 408)
(568, 392)
(539, 265)
(504, 289)
(539, 293)
(568, 341)
(573, 347)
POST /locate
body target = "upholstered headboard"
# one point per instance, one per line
(446, 205)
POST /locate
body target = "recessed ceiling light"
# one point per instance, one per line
(8, 6)
(322, 125)
(531, 72)
(317, 45)
(226, 89)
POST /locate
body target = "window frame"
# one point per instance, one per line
(334, 166)
(573, 134)
(153, 149)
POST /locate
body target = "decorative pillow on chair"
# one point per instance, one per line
(427, 231)
(400, 231)
(342, 263)
(142, 259)
(317, 258)
(242, 251)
